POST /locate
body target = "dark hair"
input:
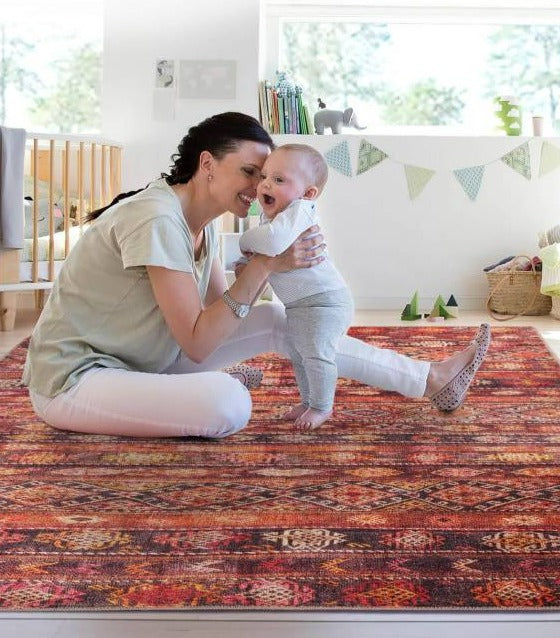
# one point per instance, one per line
(220, 134)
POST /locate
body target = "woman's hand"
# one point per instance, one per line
(306, 251)
(239, 265)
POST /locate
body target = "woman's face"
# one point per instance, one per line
(236, 175)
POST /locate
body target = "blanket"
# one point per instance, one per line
(12, 152)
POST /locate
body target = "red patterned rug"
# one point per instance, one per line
(389, 505)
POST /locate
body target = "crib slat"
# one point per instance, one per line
(80, 210)
(115, 172)
(104, 201)
(92, 181)
(51, 210)
(35, 248)
(66, 187)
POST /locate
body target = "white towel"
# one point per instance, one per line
(12, 151)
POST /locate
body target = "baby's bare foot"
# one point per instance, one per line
(312, 419)
(295, 412)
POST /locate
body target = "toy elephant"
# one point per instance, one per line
(335, 120)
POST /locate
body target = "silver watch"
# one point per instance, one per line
(240, 310)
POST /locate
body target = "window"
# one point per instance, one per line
(420, 66)
(50, 65)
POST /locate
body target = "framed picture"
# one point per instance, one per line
(207, 79)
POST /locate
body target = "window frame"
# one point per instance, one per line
(274, 12)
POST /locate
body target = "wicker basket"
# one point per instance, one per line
(516, 292)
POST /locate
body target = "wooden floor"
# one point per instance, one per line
(548, 326)
(246, 624)
(25, 320)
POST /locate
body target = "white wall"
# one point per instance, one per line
(137, 32)
(386, 244)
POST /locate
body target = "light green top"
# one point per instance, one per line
(102, 311)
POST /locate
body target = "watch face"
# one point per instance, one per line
(241, 310)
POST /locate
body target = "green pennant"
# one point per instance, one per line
(369, 156)
(470, 179)
(339, 158)
(520, 160)
(550, 158)
(417, 178)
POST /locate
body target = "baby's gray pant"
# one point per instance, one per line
(314, 327)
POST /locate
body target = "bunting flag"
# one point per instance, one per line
(519, 159)
(550, 158)
(417, 178)
(339, 158)
(369, 156)
(470, 179)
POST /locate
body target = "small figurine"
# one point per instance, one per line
(410, 312)
(452, 306)
(335, 120)
(439, 309)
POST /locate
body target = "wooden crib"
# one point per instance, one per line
(65, 177)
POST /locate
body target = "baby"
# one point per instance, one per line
(319, 306)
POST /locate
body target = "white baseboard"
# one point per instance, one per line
(425, 304)
(217, 624)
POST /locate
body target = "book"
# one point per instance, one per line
(282, 108)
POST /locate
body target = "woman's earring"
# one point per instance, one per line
(210, 178)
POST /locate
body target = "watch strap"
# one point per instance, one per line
(239, 309)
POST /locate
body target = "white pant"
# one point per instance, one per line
(195, 399)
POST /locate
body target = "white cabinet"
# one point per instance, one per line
(229, 253)
(229, 247)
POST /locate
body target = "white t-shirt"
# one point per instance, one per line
(274, 236)
(102, 311)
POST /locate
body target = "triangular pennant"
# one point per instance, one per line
(369, 156)
(520, 160)
(339, 158)
(470, 179)
(417, 178)
(550, 158)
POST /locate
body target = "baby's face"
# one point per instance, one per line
(284, 178)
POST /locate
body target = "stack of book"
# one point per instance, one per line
(282, 109)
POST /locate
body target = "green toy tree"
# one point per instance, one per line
(509, 114)
(410, 312)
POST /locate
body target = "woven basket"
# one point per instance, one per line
(516, 292)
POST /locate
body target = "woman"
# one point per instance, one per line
(140, 320)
